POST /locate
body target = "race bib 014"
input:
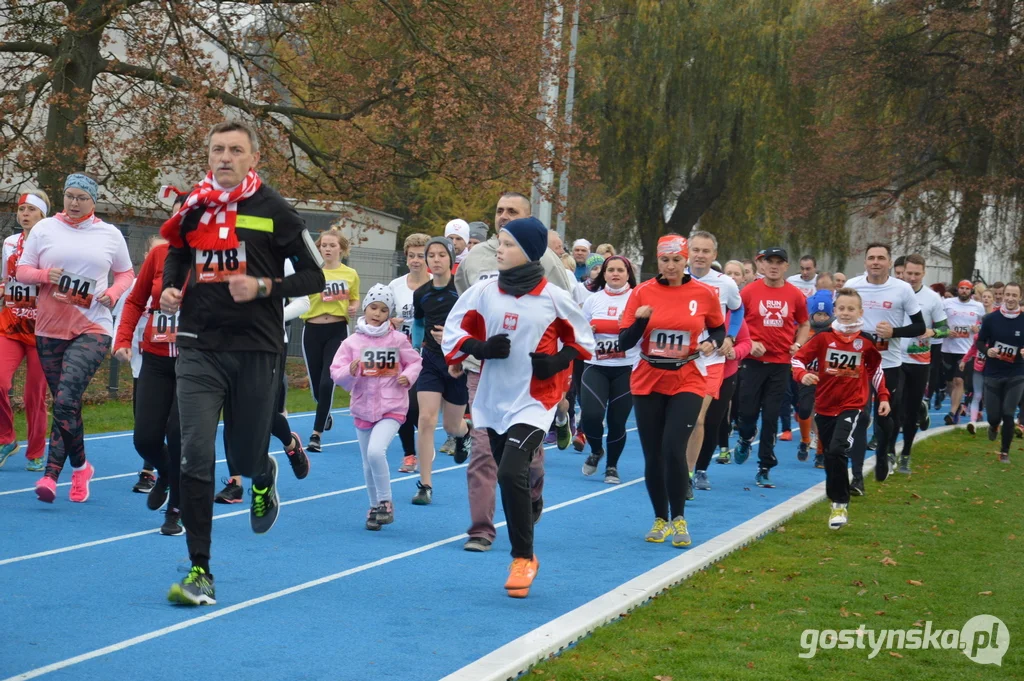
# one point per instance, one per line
(213, 266)
(379, 362)
(74, 289)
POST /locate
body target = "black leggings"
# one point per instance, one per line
(605, 390)
(319, 344)
(407, 431)
(664, 423)
(514, 451)
(156, 420)
(716, 415)
(915, 382)
(887, 427)
(1001, 398)
(731, 416)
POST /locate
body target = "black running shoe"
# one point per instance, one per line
(314, 443)
(231, 494)
(857, 487)
(145, 483)
(463, 445)
(819, 460)
(297, 459)
(872, 443)
(329, 423)
(265, 504)
(157, 496)
(424, 495)
(195, 589)
(172, 523)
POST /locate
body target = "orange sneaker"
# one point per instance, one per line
(786, 436)
(408, 465)
(520, 576)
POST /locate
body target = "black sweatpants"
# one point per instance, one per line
(664, 424)
(1002, 395)
(156, 420)
(320, 343)
(407, 431)
(888, 427)
(209, 381)
(514, 451)
(837, 437)
(805, 400)
(915, 382)
(605, 391)
(279, 426)
(764, 389)
(716, 415)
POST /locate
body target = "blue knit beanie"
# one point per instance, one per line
(531, 235)
(820, 302)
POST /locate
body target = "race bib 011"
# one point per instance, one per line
(21, 296)
(669, 344)
(213, 266)
(379, 362)
(162, 327)
(74, 289)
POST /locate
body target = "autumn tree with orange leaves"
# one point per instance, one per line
(354, 100)
(919, 120)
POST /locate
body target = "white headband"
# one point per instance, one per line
(33, 200)
(581, 242)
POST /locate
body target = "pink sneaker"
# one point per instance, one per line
(46, 489)
(80, 483)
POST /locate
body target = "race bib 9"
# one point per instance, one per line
(609, 349)
(1006, 352)
(213, 266)
(334, 291)
(669, 344)
(74, 289)
(379, 362)
(20, 295)
(842, 363)
(162, 327)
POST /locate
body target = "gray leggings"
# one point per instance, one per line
(1002, 395)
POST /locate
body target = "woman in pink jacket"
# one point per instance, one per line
(377, 365)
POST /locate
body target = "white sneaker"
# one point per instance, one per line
(838, 517)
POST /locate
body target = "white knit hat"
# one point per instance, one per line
(379, 293)
(457, 227)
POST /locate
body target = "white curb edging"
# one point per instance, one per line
(516, 657)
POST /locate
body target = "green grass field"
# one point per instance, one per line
(943, 546)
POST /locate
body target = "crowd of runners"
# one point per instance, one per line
(499, 333)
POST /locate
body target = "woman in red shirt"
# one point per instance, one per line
(667, 315)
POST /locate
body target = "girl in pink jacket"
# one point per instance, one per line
(377, 365)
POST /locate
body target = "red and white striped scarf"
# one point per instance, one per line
(216, 230)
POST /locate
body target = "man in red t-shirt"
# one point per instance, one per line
(776, 315)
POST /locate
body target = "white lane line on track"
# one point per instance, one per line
(128, 643)
(142, 533)
(120, 476)
(133, 535)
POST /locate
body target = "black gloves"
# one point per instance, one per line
(495, 347)
(545, 366)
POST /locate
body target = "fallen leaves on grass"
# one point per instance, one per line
(662, 678)
(914, 582)
(984, 593)
(888, 562)
(895, 654)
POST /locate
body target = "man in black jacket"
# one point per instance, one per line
(225, 273)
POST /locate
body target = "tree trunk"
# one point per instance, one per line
(650, 222)
(964, 248)
(75, 68)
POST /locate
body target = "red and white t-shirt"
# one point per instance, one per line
(772, 315)
(603, 309)
(543, 320)
(88, 253)
(18, 318)
(892, 301)
(846, 371)
(729, 295)
(681, 314)
(962, 318)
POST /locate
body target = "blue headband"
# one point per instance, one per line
(86, 184)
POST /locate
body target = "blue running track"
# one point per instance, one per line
(319, 597)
